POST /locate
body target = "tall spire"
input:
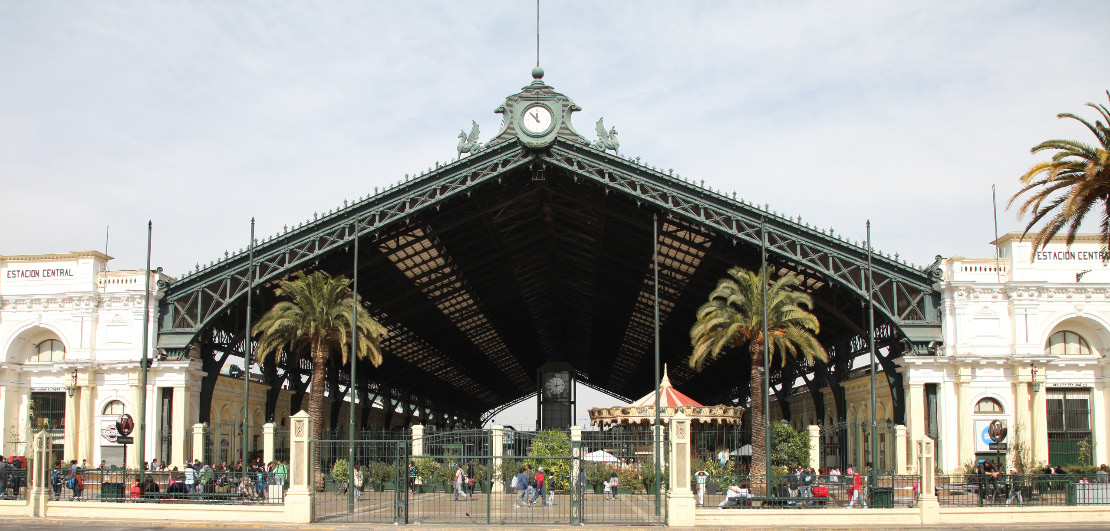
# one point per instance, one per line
(666, 383)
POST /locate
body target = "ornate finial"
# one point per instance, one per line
(666, 383)
(607, 139)
(468, 143)
(537, 73)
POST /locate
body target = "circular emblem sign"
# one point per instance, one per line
(997, 431)
(125, 424)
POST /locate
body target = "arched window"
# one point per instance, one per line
(988, 405)
(114, 407)
(49, 350)
(1066, 342)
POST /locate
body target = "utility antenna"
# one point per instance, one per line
(537, 32)
(997, 266)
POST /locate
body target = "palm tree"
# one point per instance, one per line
(317, 318)
(733, 317)
(1065, 189)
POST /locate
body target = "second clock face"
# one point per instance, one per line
(536, 120)
(556, 385)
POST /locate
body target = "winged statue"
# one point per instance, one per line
(606, 140)
(469, 143)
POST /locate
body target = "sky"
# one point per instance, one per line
(200, 115)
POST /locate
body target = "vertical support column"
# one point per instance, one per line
(927, 499)
(179, 425)
(1038, 432)
(268, 442)
(915, 419)
(814, 433)
(136, 397)
(72, 427)
(40, 460)
(681, 503)
(576, 485)
(1022, 407)
(198, 443)
(497, 444)
(900, 450)
(965, 430)
(299, 501)
(6, 424)
(418, 440)
(86, 440)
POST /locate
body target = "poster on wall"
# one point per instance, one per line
(983, 439)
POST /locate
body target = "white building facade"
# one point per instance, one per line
(1025, 342)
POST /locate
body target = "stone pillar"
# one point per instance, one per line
(681, 503)
(927, 499)
(966, 437)
(814, 446)
(86, 440)
(268, 442)
(299, 500)
(40, 461)
(915, 419)
(418, 440)
(498, 444)
(577, 489)
(72, 427)
(900, 450)
(1022, 408)
(179, 424)
(1038, 432)
(136, 395)
(198, 443)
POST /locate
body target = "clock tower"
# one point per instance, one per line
(537, 115)
(556, 398)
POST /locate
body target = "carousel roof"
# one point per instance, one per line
(672, 401)
(668, 396)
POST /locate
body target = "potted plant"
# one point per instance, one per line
(339, 473)
(597, 474)
(481, 477)
(426, 468)
(445, 476)
(380, 474)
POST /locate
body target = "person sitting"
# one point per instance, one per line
(734, 496)
(135, 489)
(176, 488)
(245, 489)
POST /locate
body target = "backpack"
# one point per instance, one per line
(72, 482)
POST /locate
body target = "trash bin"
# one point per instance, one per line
(112, 492)
(882, 497)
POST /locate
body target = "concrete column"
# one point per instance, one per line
(8, 422)
(681, 503)
(577, 489)
(198, 443)
(900, 450)
(814, 433)
(418, 440)
(1022, 407)
(1038, 432)
(136, 396)
(963, 416)
(1098, 413)
(179, 425)
(497, 449)
(268, 442)
(86, 440)
(915, 419)
(927, 499)
(299, 500)
(40, 460)
(72, 427)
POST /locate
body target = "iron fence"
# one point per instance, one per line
(794, 491)
(620, 480)
(374, 498)
(166, 487)
(13, 484)
(1041, 490)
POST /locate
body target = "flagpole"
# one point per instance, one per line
(871, 342)
(351, 389)
(145, 363)
(658, 428)
(247, 354)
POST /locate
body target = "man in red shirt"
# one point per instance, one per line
(541, 484)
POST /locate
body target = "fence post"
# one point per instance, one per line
(268, 442)
(496, 450)
(198, 443)
(814, 433)
(576, 485)
(900, 449)
(40, 463)
(299, 501)
(927, 498)
(680, 499)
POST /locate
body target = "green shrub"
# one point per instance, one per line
(339, 471)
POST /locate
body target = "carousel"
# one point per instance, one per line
(713, 428)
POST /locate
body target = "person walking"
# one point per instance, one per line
(460, 478)
(854, 490)
(470, 479)
(521, 483)
(413, 471)
(357, 481)
(614, 483)
(1014, 482)
(700, 477)
(190, 479)
(540, 483)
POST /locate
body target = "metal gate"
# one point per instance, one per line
(849, 443)
(413, 481)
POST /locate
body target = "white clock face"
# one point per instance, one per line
(556, 385)
(536, 120)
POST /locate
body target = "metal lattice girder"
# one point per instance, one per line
(902, 293)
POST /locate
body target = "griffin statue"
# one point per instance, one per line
(606, 140)
(469, 144)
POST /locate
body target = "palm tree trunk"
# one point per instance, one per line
(759, 423)
(316, 406)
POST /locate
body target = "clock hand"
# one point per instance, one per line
(536, 116)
